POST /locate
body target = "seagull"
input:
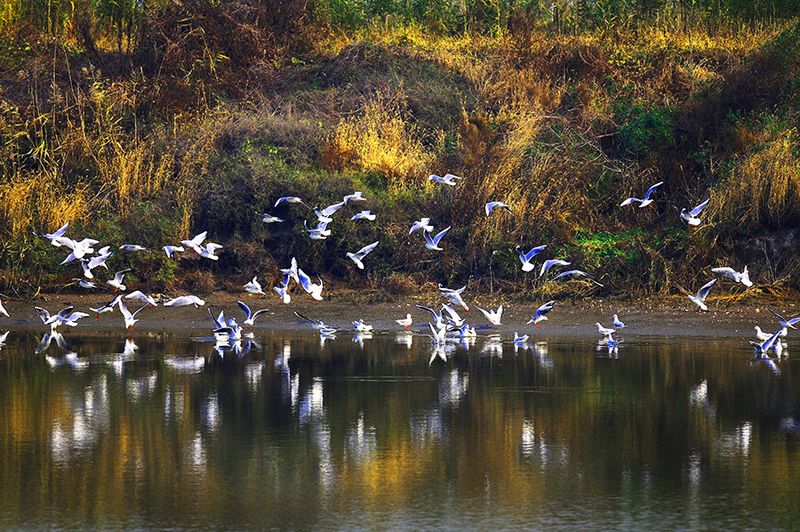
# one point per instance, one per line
(520, 340)
(195, 242)
(405, 322)
(359, 255)
(432, 243)
(209, 252)
(492, 205)
(254, 287)
(526, 258)
(605, 331)
(320, 232)
(291, 272)
(692, 217)
(249, 316)
(642, 202)
(439, 334)
(364, 215)
(170, 250)
(130, 319)
(317, 324)
(283, 290)
(83, 283)
(182, 301)
(541, 314)
(735, 276)
(761, 350)
(142, 298)
(454, 295)
(700, 298)
(355, 196)
(108, 307)
(289, 199)
(315, 290)
(437, 316)
(448, 179)
(116, 282)
(3, 310)
(71, 320)
(55, 320)
(761, 335)
(269, 219)
(94, 262)
(453, 318)
(361, 327)
(786, 324)
(326, 214)
(495, 316)
(132, 247)
(550, 263)
(53, 237)
(578, 273)
(617, 323)
(422, 223)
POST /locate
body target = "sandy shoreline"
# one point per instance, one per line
(667, 318)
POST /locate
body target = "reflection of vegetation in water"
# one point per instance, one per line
(335, 431)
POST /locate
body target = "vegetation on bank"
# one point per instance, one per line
(148, 121)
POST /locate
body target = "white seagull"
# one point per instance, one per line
(492, 205)
(359, 255)
(526, 258)
(642, 202)
(182, 301)
(254, 287)
(289, 199)
(355, 196)
(618, 324)
(116, 282)
(577, 273)
(520, 340)
(735, 276)
(249, 316)
(3, 310)
(320, 232)
(700, 298)
(453, 318)
(364, 215)
(550, 263)
(53, 237)
(761, 350)
(326, 214)
(786, 324)
(448, 179)
(314, 290)
(83, 283)
(454, 295)
(142, 298)
(422, 223)
(361, 327)
(283, 290)
(432, 243)
(108, 307)
(494, 316)
(605, 331)
(132, 247)
(691, 217)
(269, 219)
(130, 319)
(405, 322)
(195, 242)
(541, 314)
(170, 250)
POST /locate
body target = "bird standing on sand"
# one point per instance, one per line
(405, 322)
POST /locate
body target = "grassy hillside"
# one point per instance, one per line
(199, 121)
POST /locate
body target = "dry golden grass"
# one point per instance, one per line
(764, 189)
(37, 202)
(380, 140)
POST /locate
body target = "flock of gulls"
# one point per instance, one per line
(446, 326)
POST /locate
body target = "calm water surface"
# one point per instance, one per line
(293, 434)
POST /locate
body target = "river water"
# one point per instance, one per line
(167, 431)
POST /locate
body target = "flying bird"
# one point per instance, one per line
(195, 242)
(733, 275)
(692, 216)
(108, 307)
(314, 290)
(541, 314)
(526, 258)
(130, 319)
(269, 219)
(422, 223)
(183, 301)
(3, 310)
(359, 255)
(576, 273)
(249, 316)
(289, 199)
(454, 295)
(142, 298)
(448, 179)
(700, 298)
(494, 316)
(492, 205)
(432, 243)
(355, 196)
(116, 282)
(364, 215)
(132, 247)
(642, 202)
(326, 215)
(171, 250)
(546, 265)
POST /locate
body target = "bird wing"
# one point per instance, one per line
(533, 252)
(544, 309)
(363, 252)
(124, 310)
(697, 210)
(629, 201)
(453, 314)
(571, 272)
(43, 314)
(651, 189)
(305, 280)
(433, 312)
(137, 311)
(793, 320)
(330, 209)
(705, 289)
(730, 273)
(245, 309)
(120, 275)
(486, 313)
(439, 235)
(258, 313)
